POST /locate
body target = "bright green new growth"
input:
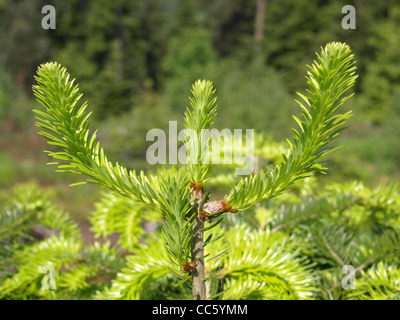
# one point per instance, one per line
(197, 119)
(65, 124)
(34, 234)
(329, 80)
(270, 249)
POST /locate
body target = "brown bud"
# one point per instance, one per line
(219, 206)
(189, 267)
(204, 215)
(197, 186)
(227, 207)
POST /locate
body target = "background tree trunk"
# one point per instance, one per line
(259, 24)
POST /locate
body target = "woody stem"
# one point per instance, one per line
(197, 253)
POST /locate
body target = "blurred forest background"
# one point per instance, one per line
(135, 61)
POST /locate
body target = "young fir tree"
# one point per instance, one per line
(181, 194)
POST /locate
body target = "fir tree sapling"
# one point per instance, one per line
(180, 194)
